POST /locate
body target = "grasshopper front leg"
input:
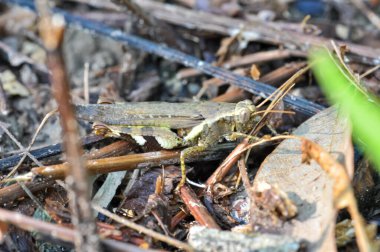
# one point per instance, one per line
(185, 154)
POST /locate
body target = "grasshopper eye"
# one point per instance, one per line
(243, 111)
(244, 115)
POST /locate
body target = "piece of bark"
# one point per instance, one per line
(308, 186)
(210, 240)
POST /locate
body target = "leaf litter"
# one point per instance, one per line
(275, 198)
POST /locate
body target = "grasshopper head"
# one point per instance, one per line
(244, 118)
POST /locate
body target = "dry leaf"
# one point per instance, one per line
(308, 186)
(108, 190)
(255, 72)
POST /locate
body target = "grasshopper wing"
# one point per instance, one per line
(159, 114)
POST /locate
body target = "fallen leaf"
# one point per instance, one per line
(255, 72)
(308, 186)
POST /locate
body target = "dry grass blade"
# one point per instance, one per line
(277, 96)
(346, 70)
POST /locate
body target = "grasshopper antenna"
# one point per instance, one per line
(278, 95)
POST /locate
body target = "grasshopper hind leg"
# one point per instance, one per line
(185, 154)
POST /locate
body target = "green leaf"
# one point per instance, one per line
(363, 109)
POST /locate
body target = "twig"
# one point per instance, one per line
(53, 230)
(196, 208)
(27, 223)
(27, 150)
(143, 229)
(177, 218)
(276, 76)
(261, 57)
(261, 141)
(225, 166)
(117, 148)
(14, 191)
(244, 175)
(369, 71)
(51, 30)
(19, 145)
(132, 161)
(31, 196)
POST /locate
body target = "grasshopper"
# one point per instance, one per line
(193, 125)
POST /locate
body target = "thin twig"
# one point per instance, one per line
(30, 224)
(196, 208)
(43, 152)
(14, 191)
(19, 145)
(244, 175)
(32, 197)
(369, 71)
(27, 150)
(133, 161)
(59, 232)
(51, 28)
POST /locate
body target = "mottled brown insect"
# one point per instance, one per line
(194, 125)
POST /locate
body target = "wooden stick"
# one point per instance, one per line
(196, 208)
